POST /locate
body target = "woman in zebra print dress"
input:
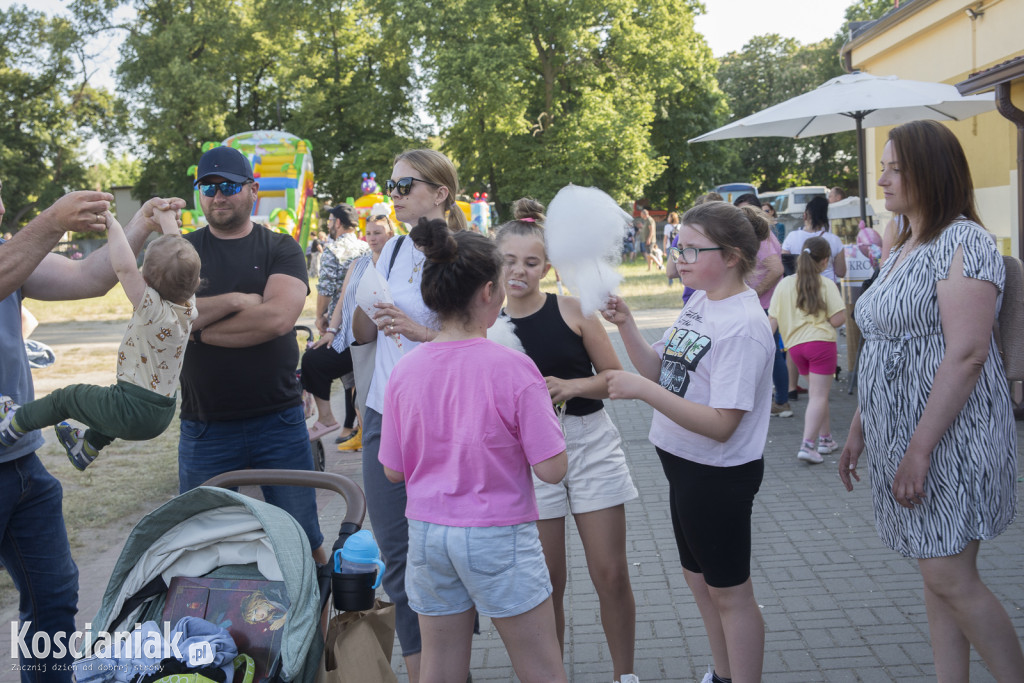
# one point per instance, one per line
(934, 416)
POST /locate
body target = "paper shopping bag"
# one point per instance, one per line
(358, 646)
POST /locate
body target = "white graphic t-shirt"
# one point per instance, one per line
(154, 343)
(719, 354)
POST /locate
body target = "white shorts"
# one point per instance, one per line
(597, 478)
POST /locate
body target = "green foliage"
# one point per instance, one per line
(531, 96)
(203, 71)
(48, 110)
(119, 170)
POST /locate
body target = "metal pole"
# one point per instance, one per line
(862, 180)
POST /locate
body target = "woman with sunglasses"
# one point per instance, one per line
(423, 184)
(709, 381)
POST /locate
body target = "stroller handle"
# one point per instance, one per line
(355, 501)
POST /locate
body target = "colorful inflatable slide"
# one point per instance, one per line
(283, 167)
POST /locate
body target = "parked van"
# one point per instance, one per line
(791, 202)
(730, 191)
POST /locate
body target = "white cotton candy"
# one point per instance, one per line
(583, 235)
(503, 332)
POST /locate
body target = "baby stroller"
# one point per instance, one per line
(215, 549)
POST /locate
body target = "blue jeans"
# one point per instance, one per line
(780, 375)
(34, 549)
(277, 441)
(385, 502)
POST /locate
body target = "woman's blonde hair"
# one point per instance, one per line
(436, 168)
(527, 220)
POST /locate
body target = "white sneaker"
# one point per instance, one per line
(708, 678)
(809, 456)
(628, 678)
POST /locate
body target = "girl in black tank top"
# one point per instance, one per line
(573, 352)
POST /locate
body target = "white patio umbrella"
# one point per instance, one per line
(854, 102)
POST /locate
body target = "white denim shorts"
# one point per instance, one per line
(500, 570)
(597, 478)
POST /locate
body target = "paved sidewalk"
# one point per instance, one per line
(837, 604)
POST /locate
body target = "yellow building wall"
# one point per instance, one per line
(940, 43)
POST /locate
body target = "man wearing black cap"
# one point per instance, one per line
(241, 403)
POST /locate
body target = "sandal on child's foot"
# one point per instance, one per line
(80, 452)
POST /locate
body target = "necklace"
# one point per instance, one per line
(416, 267)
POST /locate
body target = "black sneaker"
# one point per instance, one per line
(794, 396)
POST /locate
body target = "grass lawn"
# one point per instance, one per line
(130, 478)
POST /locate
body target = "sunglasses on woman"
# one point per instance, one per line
(688, 254)
(227, 188)
(404, 185)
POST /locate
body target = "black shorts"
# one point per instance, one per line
(711, 509)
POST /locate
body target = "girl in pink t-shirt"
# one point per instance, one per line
(464, 422)
(709, 382)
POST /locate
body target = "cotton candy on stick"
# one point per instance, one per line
(503, 332)
(373, 289)
(583, 235)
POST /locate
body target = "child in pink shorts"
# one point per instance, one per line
(806, 309)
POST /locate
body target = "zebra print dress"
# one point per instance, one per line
(971, 483)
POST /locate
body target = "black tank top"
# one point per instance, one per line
(557, 351)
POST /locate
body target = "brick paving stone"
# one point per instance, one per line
(838, 605)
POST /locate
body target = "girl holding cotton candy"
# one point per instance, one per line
(423, 184)
(567, 347)
(709, 380)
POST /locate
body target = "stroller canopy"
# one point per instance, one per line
(206, 528)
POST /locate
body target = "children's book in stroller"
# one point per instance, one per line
(237, 562)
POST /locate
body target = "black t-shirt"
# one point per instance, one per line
(219, 383)
(557, 351)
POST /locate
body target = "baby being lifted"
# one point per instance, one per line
(141, 405)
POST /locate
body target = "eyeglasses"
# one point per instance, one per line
(404, 185)
(688, 254)
(227, 188)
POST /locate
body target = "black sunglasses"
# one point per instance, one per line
(404, 185)
(227, 188)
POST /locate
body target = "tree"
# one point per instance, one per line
(48, 110)
(323, 71)
(533, 95)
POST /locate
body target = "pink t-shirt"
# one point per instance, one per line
(719, 354)
(465, 421)
(769, 247)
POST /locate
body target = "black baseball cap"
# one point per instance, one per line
(226, 162)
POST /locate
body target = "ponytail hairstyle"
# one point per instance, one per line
(458, 264)
(436, 168)
(527, 221)
(808, 276)
(728, 227)
(759, 219)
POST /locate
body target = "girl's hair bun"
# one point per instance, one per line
(436, 241)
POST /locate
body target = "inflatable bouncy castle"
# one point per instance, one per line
(283, 167)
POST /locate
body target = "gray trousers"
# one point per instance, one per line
(386, 504)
